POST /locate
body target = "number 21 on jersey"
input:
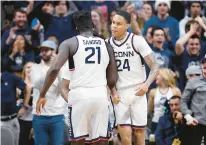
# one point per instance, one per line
(123, 65)
(93, 51)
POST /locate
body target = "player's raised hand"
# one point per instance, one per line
(40, 104)
(141, 89)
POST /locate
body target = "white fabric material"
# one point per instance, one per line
(55, 104)
(190, 119)
(132, 109)
(89, 112)
(159, 101)
(131, 69)
(90, 62)
(162, 1)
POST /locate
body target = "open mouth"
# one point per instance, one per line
(159, 42)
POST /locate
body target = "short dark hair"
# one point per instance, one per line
(194, 37)
(83, 20)
(55, 3)
(155, 28)
(190, 4)
(20, 11)
(124, 14)
(175, 97)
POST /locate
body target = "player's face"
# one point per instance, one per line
(195, 9)
(158, 38)
(174, 105)
(119, 26)
(193, 46)
(162, 9)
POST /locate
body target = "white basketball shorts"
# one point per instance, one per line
(88, 114)
(131, 110)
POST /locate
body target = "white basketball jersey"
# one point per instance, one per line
(89, 63)
(129, 54)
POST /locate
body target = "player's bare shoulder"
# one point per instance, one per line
(70, 45)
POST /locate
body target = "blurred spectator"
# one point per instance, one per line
(25, 113)
(144, 14)
(48, 7)
(194, 14)
(170, 126)
(166, 88)
(18, 27)
(51, 122)
(168, 23)
(162, 55)
(59, 24)
(100, 24)
(134, 27)
(193, 106)
(148, 36)
(9, 84)
(199, 30)
(190, 54)
(20, 54)
(106, 7)
(193, 71)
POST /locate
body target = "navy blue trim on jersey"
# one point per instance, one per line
(71, 133)
(113, 112)
(78, 138)
(71, 59)
(142, 59)
(122, 42)
(109, 40)
(96, 139)
(124, 125)
(71, 63)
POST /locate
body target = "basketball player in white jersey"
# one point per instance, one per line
(129, 95)
(92, 68)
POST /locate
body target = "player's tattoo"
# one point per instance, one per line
(150, 60)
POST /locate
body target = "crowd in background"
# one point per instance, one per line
(175, 30)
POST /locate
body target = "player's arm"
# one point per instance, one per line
(111, 68)
(154, 67)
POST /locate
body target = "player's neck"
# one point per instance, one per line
(87, 33)
(121, 37)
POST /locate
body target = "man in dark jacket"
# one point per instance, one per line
(169, 126)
